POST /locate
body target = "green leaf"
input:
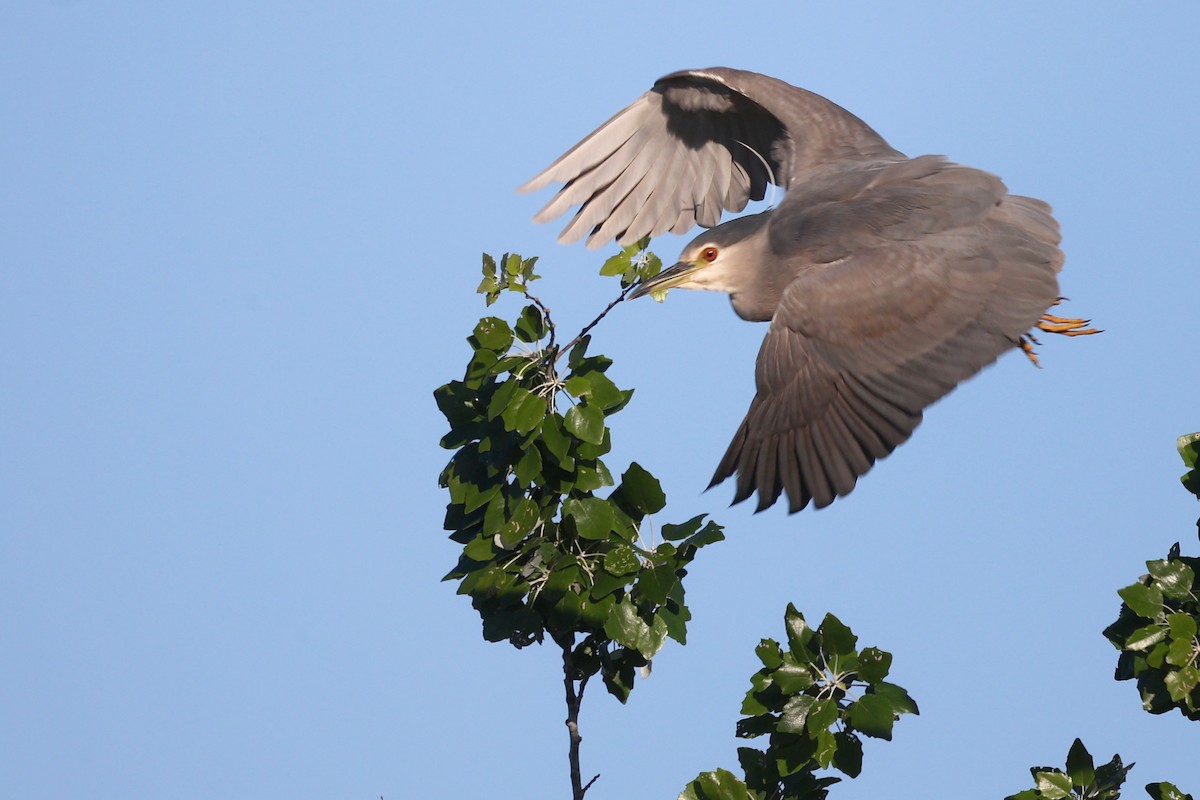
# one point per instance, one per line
(1172, 578)
(799, 634)
(594, 519)
(769, 653)
(826, 748)
(795, 714)
(531, 325)
(1189, 449)
(479, 369)
(651, 266)
(1144, 638)
(590, 479)
(1110, 776)
(616, 265)
(674, 533)
(479, 549)
(522, 520)
(752, 704)
(586, 423)
(898, 698)
(1165, 791)
(874, 664)
(624, 626)
(1183, 648)
(524, 412)
(640, 492)
(655, 584)
(493, 333)
(709, 534)
(872, 715)
(750, 727)
(512, 265)
(494, 516)
(529, 468)
(1053, 785)
(1182, 682)
(597, 387)
(556, 441)
(849, 755)
(1080, 766)
(717, 785)
(576, 357)
(605, 583)
(622, 560)
(502, 397)
(836, 638)
(793, 678)
(675, 618)
(1145, 601)
(822, 715)
(794, 755)
(1182, 626)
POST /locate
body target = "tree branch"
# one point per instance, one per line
(594, 322)
(574, 701)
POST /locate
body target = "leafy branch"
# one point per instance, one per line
(543, 554)
(811, 699)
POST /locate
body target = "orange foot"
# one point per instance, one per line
(1066, 326)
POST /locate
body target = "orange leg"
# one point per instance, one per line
(1065, 326)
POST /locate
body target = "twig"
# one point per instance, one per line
(574, 700)
(594, 322)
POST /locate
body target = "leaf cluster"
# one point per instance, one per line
(1083, 780)
(1156, 632)
(812, 698)
(634, 263)
(542, 551)
(511, 273)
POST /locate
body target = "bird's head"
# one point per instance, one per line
(722, 259)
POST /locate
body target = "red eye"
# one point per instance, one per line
(709, 254)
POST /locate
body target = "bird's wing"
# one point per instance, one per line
(698, 143)
(858, 348)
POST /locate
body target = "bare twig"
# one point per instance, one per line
(593, 323)
(574, 701)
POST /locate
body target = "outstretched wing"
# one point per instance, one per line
(858, 348)
(700, 142)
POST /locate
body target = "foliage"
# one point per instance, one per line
(634, 264)
(1156, 630)
(804, 700)
(1156, 633)
(542, 551)
(1083, 780)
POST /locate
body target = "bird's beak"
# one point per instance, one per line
(675, 275)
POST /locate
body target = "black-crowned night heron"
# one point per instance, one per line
(887, 280)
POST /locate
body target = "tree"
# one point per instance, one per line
(553, 547)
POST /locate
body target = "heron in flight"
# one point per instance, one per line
(887, 280)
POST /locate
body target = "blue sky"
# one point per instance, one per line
(238, 249)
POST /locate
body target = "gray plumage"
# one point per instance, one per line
(887, 280)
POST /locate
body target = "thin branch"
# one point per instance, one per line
(574, 700)
(594, 322)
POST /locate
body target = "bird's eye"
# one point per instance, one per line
(709, 254)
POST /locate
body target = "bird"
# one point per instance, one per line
(886, 280)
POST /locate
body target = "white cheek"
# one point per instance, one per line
(712, 277)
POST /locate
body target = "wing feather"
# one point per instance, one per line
(858, 348)
(700, 142)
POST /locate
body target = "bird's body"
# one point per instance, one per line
(887, 280)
